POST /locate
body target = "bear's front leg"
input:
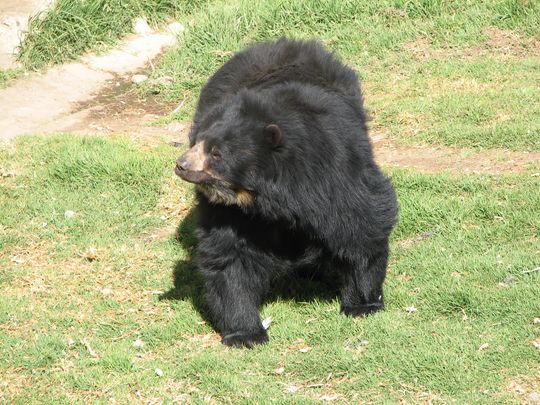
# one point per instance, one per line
(235, 285)
(362, 286)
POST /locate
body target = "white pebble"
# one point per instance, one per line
(159, 372)
(137, 79)
(138, 344)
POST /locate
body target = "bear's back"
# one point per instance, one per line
(271, 63)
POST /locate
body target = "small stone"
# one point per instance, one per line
(138, 79)
(159, 372)
(106, 291)
(411, 310)
(304, 349)
(536, 321)
(141, 26)
(279, 370)
(536, 343)
(176, 28)
(138, 344)
(69, 214)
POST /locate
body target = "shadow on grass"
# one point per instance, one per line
(303, 285)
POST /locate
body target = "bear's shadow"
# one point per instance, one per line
(304, 285)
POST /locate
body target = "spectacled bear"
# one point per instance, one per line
(285, 178)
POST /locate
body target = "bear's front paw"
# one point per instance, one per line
(245, 339)
(363, 310)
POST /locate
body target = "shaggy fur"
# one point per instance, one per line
(286, 179)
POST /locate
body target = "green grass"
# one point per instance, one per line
(68, 324)
(8, 75)
(71, 27)
(457, 73)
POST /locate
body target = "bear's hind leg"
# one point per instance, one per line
(233, 295)
(362, 285)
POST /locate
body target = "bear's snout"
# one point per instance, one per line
(191, 166)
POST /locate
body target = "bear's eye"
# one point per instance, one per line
(216, 154)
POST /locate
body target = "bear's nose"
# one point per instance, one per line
(182, 163)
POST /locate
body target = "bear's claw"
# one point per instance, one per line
(245, 339)
(363, 310)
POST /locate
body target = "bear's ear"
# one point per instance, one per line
(274, 134)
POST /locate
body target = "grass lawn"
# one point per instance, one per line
(99, 297)
(457, 73)
(78, 289)
(71, 27)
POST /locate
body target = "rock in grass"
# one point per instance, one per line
(69, 214)
(137, 79)
(141, 26)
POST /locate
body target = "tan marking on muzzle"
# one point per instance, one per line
(196, 158)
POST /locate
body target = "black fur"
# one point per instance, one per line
(316, 196)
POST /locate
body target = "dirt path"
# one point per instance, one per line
(50, 102)
(435, 159)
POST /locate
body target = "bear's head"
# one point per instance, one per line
(233, 148)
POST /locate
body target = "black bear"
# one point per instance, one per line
(285, 178)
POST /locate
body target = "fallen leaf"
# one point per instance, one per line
(90, 254)
(89, 349)
(483, 346)
(17, 259)
(267, 322)
(291, 388)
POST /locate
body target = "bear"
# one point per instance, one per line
(285, 179)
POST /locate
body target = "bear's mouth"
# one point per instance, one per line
(192, 176)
